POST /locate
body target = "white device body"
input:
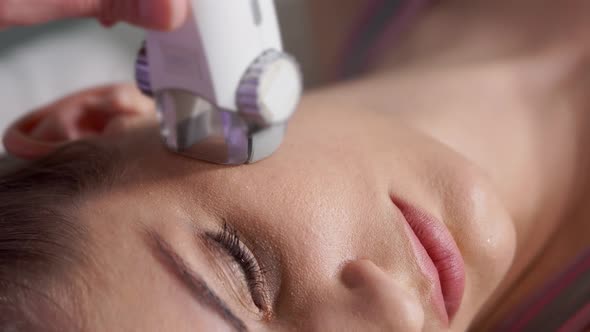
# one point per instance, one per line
(210, 53)
(224, 88)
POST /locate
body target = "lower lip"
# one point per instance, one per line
(438, 258)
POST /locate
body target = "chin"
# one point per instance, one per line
(486, 236)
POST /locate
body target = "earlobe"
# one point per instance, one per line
(84, 115)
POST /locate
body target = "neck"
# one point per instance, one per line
(467, 31)
(529, 61)
(535, 53)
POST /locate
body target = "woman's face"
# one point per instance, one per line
(359, 222)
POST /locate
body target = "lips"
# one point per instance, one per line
(438, 257)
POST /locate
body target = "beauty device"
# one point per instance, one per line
(223, 86)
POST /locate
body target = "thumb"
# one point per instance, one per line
(151, 14)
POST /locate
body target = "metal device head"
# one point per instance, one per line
(223, 86)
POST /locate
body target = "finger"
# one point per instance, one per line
(152, 14)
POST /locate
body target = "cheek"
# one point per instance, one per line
(478, 220)
(492, 238)
(484, 233)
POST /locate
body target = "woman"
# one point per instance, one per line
(436, 192)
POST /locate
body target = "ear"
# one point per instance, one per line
(87, 114)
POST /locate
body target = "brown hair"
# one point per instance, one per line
(41, 244)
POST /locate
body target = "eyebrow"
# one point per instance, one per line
(192, 281)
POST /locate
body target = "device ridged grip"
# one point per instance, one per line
(270, 89)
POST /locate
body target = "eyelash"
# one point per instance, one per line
(229, 239)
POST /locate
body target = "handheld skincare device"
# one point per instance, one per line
(223, 86)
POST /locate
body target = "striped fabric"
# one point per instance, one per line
(563, 305)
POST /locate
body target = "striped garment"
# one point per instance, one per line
(564, 304)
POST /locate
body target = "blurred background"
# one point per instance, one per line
(41, 64)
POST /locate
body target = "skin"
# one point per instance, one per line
(153, 14)
(326, 222)
(318, 214)
(536, 124)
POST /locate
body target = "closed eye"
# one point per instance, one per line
(252, 274)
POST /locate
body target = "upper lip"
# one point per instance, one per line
(442, 250)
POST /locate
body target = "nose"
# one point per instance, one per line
(371, 300)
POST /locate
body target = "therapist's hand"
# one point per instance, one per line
(153, 14)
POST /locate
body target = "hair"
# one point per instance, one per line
(42, 245)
